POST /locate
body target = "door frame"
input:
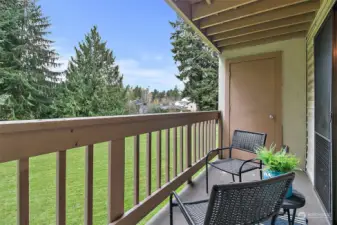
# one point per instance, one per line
(279, 121)
(332, 217)
(333, 124)
(329, 215)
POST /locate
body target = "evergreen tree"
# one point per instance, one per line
(93, 82)
(155, 94)
(26, 80)
(38, 56)
(11, 15)
(161, 95)
(176, 93)
(138, 92)
(197, 65)
(173, 94)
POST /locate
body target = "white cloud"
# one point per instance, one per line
(64, 54)
(148, 73)
(137, 73)
(134, 68)
(152, 57)
(158, 58)
(64, 64)
(63, 61)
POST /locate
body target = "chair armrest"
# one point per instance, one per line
(182, 208)
(216, 150)
(247, 161)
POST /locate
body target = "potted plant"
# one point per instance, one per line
(277, 163)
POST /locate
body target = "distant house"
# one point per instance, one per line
(141, 107)
(186, 104)
(192, 107)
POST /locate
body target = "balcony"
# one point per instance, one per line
(312, 209)
(130, 140)
(138, 151)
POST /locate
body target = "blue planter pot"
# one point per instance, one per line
(269, 174)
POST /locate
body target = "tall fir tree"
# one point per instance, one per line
(93, 83)
(174, 94)
(197, 66)
(138, 92)
(155, 94)
(26, 78)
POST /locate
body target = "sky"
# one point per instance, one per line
(138, 32)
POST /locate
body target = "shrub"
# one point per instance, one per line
(279, 161)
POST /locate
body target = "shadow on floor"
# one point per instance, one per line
(312, 209)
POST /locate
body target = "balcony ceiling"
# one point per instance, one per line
(232, 24)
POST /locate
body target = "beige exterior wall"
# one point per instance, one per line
(293, 89)
(324, 10)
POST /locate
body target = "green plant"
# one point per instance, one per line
(280, 161)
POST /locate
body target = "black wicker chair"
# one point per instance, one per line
(285, 148)
(242, 140)
(237, 203)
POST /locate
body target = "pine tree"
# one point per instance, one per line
(138, 92)
(38, 56)
(197, 65)
(26, 56)
(11, 13)
(174, 93)
(155, 94)
(93, 82)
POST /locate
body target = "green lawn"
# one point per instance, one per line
(42, 184)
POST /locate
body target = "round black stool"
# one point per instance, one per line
(297, 200)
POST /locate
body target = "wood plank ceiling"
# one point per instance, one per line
(232, 24)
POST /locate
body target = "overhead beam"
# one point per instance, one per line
(305, 18)
(247, 10)
(277, 14)
(264, 34)
(265, 40)
(209, 2)
(203, 9)
(183, 8)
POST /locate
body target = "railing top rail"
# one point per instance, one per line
(45, 124)
(23, 139)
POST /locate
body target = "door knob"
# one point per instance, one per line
(271, 117)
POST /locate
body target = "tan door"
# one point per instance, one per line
(255, 98)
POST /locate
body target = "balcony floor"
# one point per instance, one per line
(313, 208)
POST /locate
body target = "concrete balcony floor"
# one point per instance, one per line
(313, 207)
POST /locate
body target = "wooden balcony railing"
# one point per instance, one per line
(21, 140)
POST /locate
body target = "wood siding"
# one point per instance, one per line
(322, 13)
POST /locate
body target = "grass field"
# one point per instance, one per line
(42, 184)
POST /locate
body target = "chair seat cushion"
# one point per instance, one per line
(197, 212)
(233, 165)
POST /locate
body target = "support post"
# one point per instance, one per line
(189, 149)
(116, 180)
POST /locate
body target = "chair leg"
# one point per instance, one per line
(273, 220)
(240, 178)
(233, 177)
(261, 175)
(206, 178)
(294, 216)
(288, 212)
(171, 209)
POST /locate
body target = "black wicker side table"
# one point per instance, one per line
(297, 200)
